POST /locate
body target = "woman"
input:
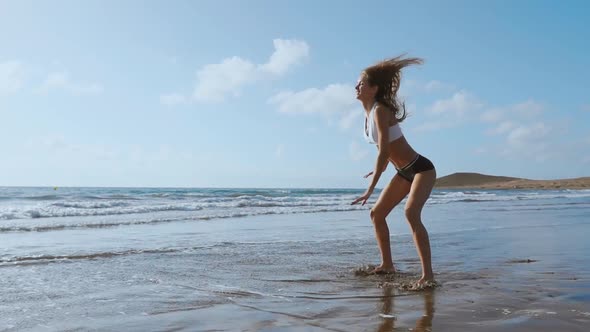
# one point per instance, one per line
(377, 91)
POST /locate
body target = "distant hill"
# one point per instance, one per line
(470, 179)
(477, 180)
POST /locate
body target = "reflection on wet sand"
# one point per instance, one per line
(423, 324)
(386, 311)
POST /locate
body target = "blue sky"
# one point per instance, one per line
(260, 93)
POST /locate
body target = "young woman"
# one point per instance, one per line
(377, 91)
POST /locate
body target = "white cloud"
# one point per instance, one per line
(287, 54)
(335, 102)
(457, 110)
(62, 81)
(519, 128)
(408, 86)
(11, 77)
(527, 109)
(492, 115)
(172, 99)
(348, 120)
(527, 135)
(531, 141)
(217, 81)
(522, 138)
(460, 103)
(357, 152)
(334, 98)
(449, 112)
(502, 128)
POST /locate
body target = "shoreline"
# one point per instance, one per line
(480, 181)
(526, 184)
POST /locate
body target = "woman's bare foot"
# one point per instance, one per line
(426, 279)
(424, 282)
(383, 269)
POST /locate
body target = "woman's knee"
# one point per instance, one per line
(413, 215)
(377, 215)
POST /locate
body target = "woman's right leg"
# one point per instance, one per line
(391, 195)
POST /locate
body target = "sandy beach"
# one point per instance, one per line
(504, 261)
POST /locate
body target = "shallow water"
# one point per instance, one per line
(515, 262)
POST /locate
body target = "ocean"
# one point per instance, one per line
(178, 259)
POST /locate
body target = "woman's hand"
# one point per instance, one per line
(363, 198)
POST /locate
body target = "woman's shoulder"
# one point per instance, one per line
(379, 106)
(384, 111)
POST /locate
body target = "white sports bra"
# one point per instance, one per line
(371, 133)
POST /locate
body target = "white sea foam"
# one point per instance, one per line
(129, 206)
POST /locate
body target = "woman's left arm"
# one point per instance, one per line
(382, 122)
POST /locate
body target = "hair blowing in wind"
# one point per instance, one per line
(386, 75)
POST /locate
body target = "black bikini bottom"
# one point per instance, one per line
(418, 165)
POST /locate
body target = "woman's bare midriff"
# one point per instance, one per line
(401, 153)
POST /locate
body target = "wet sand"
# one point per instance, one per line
(501, 266)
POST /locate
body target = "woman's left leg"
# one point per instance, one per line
(419, 193)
